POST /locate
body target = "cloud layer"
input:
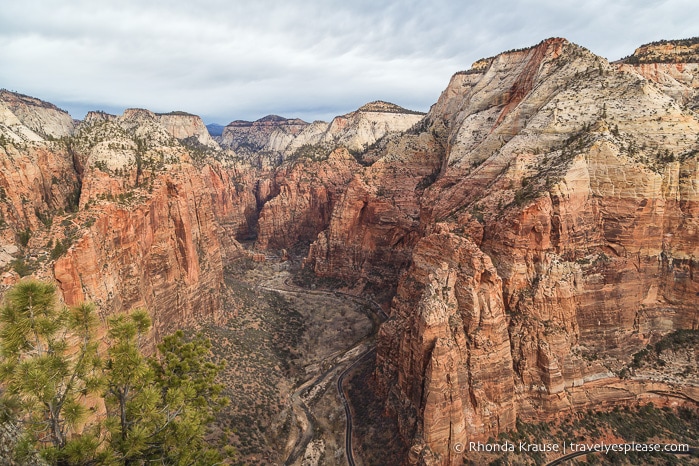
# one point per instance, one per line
(229, 60)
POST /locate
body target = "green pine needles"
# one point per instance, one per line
(79, 401)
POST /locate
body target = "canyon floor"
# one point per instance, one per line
(287, 339)
(285, 348)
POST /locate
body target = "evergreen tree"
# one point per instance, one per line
(157, 408)
(50, 364)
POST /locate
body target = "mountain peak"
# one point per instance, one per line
(666, 51)
(44, 118)
(384, 107)
(15, 99)
(482, 64)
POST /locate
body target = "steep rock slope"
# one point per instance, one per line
(674, 65)
(298, 201)
(376, 222)
(37, 178)
(40, 117)
(120, 214)
(571, 182)
(187, 127)
(307, 193)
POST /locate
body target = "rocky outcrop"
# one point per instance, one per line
(271, 133)
(307, 194)
(130, 221)
(273, 139)
(375, 223)
(163, 254)
(360, 129)
(237, 194)
(42, 118)
(448, 329)
(666, 51)
(569, 180)
(187, 127)
(671, 65)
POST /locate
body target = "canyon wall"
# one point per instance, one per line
(118, 214)
(570, 182)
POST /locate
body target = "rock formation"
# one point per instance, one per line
(40, 117)
(274, 139)
(529, 234)
(187, 127)
(307, 194)
(127, 218)
(569, 180)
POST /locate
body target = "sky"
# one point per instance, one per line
(227, 59)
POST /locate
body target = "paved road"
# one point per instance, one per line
(300, 410)
(348, 411)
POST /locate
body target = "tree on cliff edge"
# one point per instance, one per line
(157, 408)
(50, 365)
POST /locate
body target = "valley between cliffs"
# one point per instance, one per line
(527, 239)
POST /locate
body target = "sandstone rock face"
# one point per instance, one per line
(672, 65)
(530, 233)
(163, 254)
(678, 80)
(271, 133)
(162, 228)
(274, 139)
(667, 51)
(448, 324)
(307, 194)
(376, 222)
(37, 178)
(184, 126)
(41, 117)
(142, 226)
(236, 195)
(360, 129)
(569, 181)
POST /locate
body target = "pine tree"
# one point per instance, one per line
(46, 382)
(158, 409)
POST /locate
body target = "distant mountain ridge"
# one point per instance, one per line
(215, 129)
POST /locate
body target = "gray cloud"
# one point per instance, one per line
(313, 59)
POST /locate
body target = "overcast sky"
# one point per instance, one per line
(229, 59)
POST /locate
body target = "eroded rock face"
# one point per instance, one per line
(42, 118)
(360, 129)
(187, 127)
(537, 227)
(163, 254)
(37, 177)
(448, 332)
(271, 133)
(118, 215)
(572, 177)
(273, 139)
(307, 194)
(375, 223)
(667, 51)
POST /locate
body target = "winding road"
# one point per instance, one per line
(352, 355)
